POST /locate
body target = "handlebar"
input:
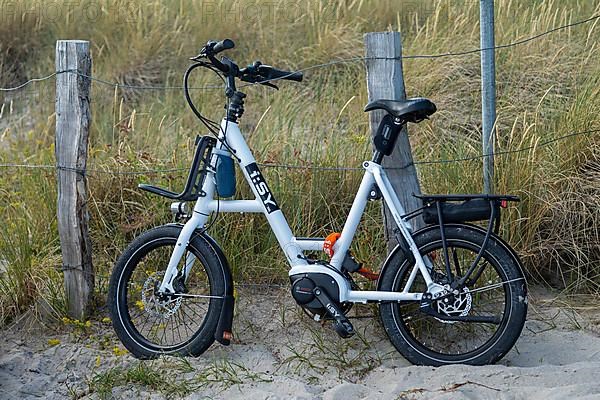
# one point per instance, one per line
(212, 48)
(255, 73)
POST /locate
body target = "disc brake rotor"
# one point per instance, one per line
(159, 306)
(456, 306)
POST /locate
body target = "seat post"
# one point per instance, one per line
(378, 157)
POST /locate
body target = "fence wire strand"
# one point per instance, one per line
(99, 275)
(21, 86)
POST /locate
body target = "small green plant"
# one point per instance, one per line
(224, 374)
(143, 374)
(323, 351)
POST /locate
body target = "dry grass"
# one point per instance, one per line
(546, 88)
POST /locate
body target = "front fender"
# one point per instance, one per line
(223, 331)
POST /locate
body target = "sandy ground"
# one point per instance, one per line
(279, 353)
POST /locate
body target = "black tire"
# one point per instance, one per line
(178, 325)
(426, 340)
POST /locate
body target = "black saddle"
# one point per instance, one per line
(411, 110)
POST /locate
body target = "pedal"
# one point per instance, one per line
(344, 329)
(341, 324)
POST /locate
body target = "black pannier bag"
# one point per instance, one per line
(469, 210)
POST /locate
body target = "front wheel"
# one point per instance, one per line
(149, 323)
(499, 292)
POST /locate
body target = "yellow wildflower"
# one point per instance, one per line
(117, 351)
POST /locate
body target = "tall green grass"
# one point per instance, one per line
(546, 88)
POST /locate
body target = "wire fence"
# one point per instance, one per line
(317, 66)
(106, 277)
(99, 171)
(92, 171)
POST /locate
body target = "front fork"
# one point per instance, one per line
(180, 248)
(198, 219)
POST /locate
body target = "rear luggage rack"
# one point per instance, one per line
(474, 207)
(440, 209)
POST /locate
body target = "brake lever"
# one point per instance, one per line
(269, 84)
(205, 51)
(200, 56)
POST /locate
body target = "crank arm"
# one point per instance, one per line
(342, 325)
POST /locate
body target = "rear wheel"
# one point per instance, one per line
(149, 323)
(499, 291)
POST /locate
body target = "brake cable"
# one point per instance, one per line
(212, 126)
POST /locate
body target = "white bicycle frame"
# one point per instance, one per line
(292, 246)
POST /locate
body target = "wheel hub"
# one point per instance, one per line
(158, 304)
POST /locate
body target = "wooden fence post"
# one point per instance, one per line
(71, 148)
(488, 91)
(385, 81)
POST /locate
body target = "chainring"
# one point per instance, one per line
(320, 314)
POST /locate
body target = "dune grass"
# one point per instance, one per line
(546, 88)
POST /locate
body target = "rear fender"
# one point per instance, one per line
(398, 248)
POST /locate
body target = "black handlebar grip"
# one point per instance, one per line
(287, 75)
(296, 76)
(223, 45)
(273, 73)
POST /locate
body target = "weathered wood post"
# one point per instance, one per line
(488, 91)
(385, 81)
(71, 149)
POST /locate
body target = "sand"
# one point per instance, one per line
(278, 353)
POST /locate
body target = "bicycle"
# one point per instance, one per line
(451, 292)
